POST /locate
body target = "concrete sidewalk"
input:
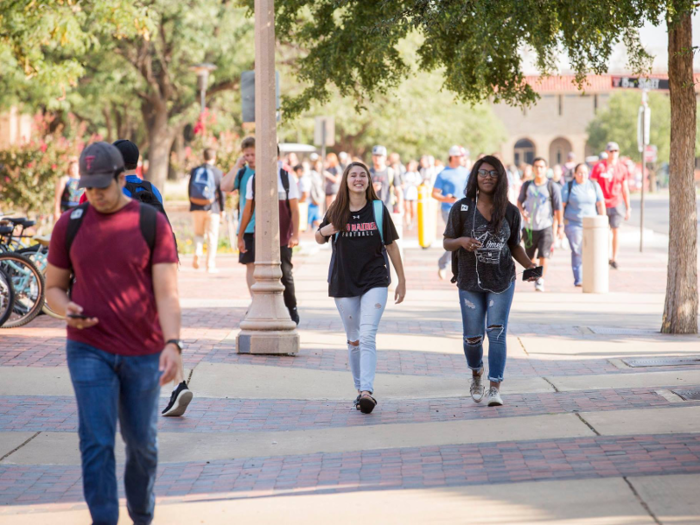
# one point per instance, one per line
(584, 436)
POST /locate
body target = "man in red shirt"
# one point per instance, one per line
(611, 174)
(123, 333)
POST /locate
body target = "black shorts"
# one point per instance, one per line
(615, 216)
(539, 241)
(249, 256)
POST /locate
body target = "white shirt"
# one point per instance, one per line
(282, 195)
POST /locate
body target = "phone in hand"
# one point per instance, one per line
(531, 273)
(77, 316)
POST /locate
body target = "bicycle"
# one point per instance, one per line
(26, 279)
(7, 297)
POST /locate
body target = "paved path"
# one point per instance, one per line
(584, 437)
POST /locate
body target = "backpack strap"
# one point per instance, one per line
(238, 179)
(550, 189)
(76, 220)
(378, 207)
(569, 185)
(148, 219)
(284, 175)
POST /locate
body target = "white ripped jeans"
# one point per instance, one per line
(361, 316)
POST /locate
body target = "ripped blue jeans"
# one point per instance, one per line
(486, 313)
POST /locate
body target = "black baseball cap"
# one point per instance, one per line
(129, 151)
(99, 163)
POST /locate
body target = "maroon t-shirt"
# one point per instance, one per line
(110, 259)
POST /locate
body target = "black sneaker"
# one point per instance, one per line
(613, 264)
(179, 400)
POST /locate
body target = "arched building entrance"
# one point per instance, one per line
(558, 151)
(523, 152)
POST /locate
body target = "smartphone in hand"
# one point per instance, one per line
(77, 316)
(532, 273)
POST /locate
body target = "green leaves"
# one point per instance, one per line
(353, 44)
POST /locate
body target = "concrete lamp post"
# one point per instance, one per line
(267, 327)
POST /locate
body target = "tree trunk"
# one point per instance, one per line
(160, 142)
(681, 308)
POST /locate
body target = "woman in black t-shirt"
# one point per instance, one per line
(484, 230)
(362, 232)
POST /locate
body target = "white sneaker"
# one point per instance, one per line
(494, 399)
(442, 274)
(476, 389)
(212, 270)
(539, 285)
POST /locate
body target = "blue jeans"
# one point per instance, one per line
(574, 232)
(109, 386)
(486, 312)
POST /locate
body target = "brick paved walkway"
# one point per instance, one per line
(208, 322)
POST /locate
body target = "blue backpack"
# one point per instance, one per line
(202, 186)
(378, 209)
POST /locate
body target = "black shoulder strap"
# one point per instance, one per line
(148, 217)
(76, 220)
(569, 185)
(550, 189)
(284, 175)
(237, 180)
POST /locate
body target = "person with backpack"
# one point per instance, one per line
(288, 198)
(118, 258)
(135, 187)
(483, 234)
(236, 181)
(582, 197)
(362, 234)
(145, 192)
(540, 204)
(207, 208)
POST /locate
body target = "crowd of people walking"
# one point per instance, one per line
(112, 233)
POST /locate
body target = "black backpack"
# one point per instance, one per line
(146, 196)
(148, 216)
(143, 192)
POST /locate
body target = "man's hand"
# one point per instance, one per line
(75, 309)
(400, 292)
(170, 362)
(241, 246)
(293, 241)
(628, 214)
(240, 162)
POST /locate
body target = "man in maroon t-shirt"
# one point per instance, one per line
(611, 174)
(123, 333)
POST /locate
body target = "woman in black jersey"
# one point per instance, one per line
(484, 229)
(362, 232)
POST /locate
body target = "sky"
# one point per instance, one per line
(655, 41)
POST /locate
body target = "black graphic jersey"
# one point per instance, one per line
(492, 264)
(359, 263)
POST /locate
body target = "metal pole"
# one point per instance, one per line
(644, 147)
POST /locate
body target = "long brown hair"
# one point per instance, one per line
(339, 211)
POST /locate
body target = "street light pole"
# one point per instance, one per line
(202, 71)
(643, 128)
(267, 327)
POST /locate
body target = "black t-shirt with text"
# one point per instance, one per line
(495, 267)
(359, 263)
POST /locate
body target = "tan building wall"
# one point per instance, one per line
(15, 128)
(555, 125)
